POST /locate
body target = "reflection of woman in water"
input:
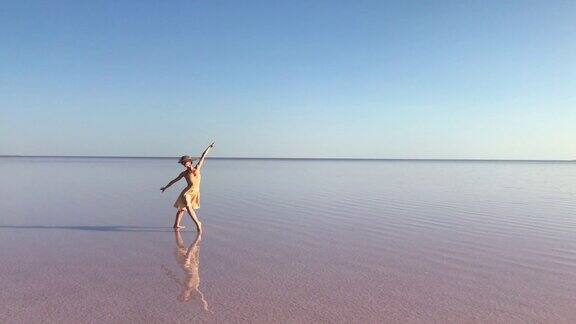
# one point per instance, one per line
(189, 198)
(189, 260)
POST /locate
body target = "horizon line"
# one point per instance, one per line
(286, 158)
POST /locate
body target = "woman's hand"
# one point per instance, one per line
(163, 188)
(212, 145)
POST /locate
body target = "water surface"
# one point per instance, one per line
(87, 239)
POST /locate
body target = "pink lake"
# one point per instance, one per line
(288, 241)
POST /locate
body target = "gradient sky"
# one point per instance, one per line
(374, 79)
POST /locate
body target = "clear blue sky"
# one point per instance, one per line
(375, 79)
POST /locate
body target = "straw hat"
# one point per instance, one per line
(186, 158)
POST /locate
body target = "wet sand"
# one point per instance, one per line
(88, 240)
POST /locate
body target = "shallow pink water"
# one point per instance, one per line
(289, 241)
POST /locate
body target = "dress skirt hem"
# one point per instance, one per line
(188, 199)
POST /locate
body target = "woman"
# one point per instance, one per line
(189, 198)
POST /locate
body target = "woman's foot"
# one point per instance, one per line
(177, 227)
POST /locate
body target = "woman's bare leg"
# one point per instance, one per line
(192, 214)
(179, 214)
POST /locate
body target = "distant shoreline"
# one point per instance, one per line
(283, 158)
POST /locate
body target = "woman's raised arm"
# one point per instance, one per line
(203, 157)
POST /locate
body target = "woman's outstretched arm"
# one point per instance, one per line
(203, 157)
(173, 181)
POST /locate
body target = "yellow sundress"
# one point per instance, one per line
(190, 196)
